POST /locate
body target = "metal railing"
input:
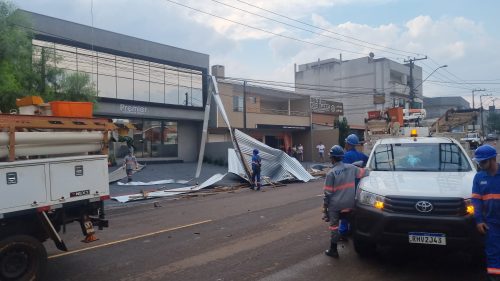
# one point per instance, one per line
(282, 112)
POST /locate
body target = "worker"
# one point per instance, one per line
(256, 163)
(352, 156)
(486, 202)
(339, 193)
(130, 163)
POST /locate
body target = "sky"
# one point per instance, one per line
(461, 34)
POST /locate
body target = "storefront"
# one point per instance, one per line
(156, 132)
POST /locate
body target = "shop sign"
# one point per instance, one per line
(133, 109)
(281, 127)
(319, 105)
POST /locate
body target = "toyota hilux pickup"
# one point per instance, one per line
(418, 193)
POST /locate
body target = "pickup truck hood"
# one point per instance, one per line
(423, 184)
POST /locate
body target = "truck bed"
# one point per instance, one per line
(51, 183)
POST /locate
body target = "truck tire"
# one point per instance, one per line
(364, 248)
(22, 258)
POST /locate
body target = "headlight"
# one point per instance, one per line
(370, 199)
(469, 208)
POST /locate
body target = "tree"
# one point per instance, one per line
(16, 74)
(27, 70)
(76, 86)
(343, 130)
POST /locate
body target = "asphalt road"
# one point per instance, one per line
(245, 235)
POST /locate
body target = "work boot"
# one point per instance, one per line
(343, 238)
(252, 187)
(332, 252)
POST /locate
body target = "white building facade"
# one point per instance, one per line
(362, 85)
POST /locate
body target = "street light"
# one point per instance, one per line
(442, 66)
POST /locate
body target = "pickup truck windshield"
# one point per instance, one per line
(433, 157)
(471, 136)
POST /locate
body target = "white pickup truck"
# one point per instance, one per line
(474, 139)
(417, 194)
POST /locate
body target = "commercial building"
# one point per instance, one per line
(361, 85)
(436, 107)
(160, 89)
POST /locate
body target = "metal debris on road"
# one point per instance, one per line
(171, 192)
(168, 181)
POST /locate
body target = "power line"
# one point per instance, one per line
(307, 30)
(324, 29)
(264, 30)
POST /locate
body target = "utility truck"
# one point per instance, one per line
(53, 171)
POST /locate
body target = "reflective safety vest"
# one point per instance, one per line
(339, 186)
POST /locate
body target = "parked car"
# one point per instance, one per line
(491, 137)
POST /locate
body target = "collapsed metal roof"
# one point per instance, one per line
(276, 164)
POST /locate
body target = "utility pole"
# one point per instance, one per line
(244, 104)
(412, 82)
(474, 105)
(481, 102)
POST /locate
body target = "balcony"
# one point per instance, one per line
(278, 118)
(398, 88)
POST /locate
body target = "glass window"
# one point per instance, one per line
(197, 92)
(157, 94)
(197, 97)
(125, 89)
(171, 94)
(156, 72)
(42, 43)
(170, 133)
(141, 70)
(106, 86)
(431, 157)
(66, 57)
(237, 103)
(87, 61)
(124, 67)
(106, 64)
(185, 84)
(141, 90)
(171, 86)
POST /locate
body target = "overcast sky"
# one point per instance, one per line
(462, 34)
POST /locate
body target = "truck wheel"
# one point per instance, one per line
(364, 248)
(22, 258)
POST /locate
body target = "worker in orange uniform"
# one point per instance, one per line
(339, 193)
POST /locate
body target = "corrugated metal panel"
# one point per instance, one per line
(276, 164)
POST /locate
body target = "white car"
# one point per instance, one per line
(418, 192)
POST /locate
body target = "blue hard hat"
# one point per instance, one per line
(255, 151)
(352, 139)
(336, 151)
(484, 152)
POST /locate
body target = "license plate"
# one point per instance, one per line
(79, 193)
(427, 238)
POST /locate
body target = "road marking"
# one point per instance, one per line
(128, 239)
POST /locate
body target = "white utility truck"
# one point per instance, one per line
(417, 194)
(53, 171)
